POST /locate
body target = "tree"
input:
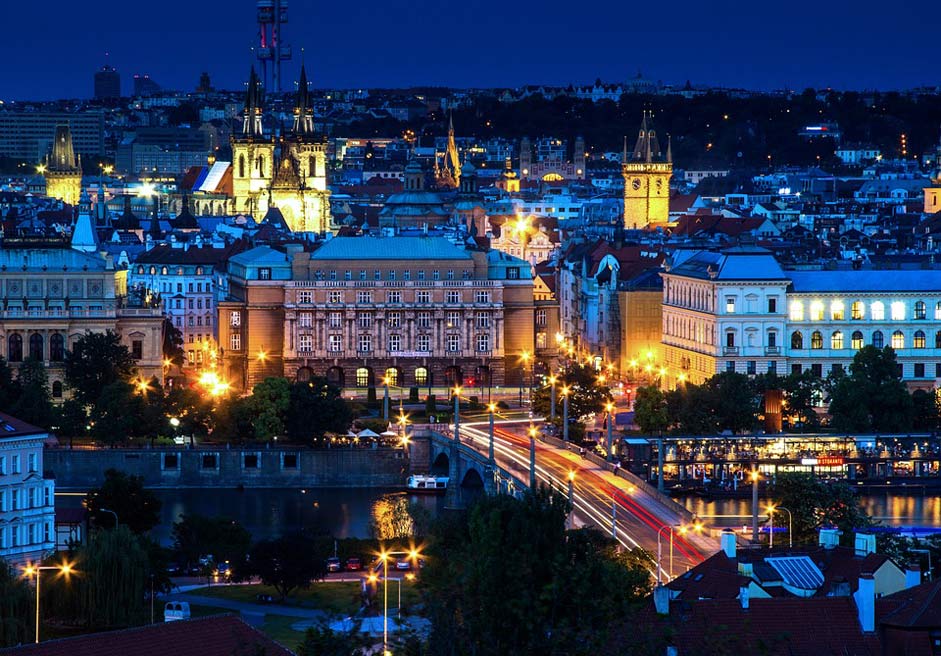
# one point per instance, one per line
(270, 400)
(872, 396)
(734, 401)
(136, 507)
(96, 361)
(315, 408)
(801, 392)
(34, 404)
(9, 388)
(172, 343)
(925, 411)
(814, 505)
(70, 419)
(234, 419)
(689, 408)
(16, 604)
(225, 539)
(192, 409)
(395, 517)
(115, 412)
(587, 396)
(650, 410)
(289, 562)
(323, 641)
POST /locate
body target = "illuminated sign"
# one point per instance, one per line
(823, 461)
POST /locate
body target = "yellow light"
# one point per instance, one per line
(262, 356)
(609, 407)
(533, 431)
(524, 356)
(648, 367)
(552, 379)
(383, 556)
(372, 578)
(633, 363)
(409, 577)
(492, 408)
(559, 337)
(681, 377)
(142, 386)
(755, 475)
(649, 355)
(147, 189)
(565, 390)
(457, 390)
(602, 378)
(663, 371)
(66, 568)
(41, 169)
(29, 570)
(167, 363)
(413, 554)
(572, 475)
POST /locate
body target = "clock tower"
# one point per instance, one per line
(647, 174)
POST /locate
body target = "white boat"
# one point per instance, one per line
(427, 484)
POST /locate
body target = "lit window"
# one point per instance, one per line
(235, 342)
(921, 310)
(918, 340)
(235, 319)
(836, 311)
(816, 311)
(730, 304)
(797, 340)
(421, 376)
(816, 340)
(362, 377)
(898, 311)
(836, 340)
(857, 310)
(898, 340)
(878, 311)
(856, 340)
(392, 376)
(797, 311)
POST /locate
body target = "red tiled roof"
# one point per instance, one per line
(220, 635)
(917, 607)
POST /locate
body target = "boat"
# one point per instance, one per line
(422, 484)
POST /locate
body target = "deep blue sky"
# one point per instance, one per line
(51, 47)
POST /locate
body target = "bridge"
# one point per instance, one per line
(603, 496)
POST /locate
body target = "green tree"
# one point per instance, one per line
(113, 582)
(196, 535)
(316, 408)
(323, 641)
(34, 404)
(587, 396)
(9, 387)
(172, 343)
(872, 396)
(650, 410)
(925, 411)
(689, 408)
(734, 401)
(70, 419)
(115, 412)
(136, 507)
(16, 605)
(801, 391)
(270, 401)
(192, 409)
(288, 563)
(96, 361)
(233, 419)
(815, 504)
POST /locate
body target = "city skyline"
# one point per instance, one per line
(705, 45)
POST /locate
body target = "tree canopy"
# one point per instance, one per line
(136, 507)
(96, 361)
(287, 563)
(872, 396)
(815, 504)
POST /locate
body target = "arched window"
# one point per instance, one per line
(816, 311)
(878, 340)
(57, 389)
(877, 311)
(816, 340)
(261, 166)
(856, 340)
(937, 340)
(36, 343)
(241, 166)
(164, 271)
(837, 310)
(362, 377)
(921, 310)
(836, 340)
(392, 377)
(797, 340)
(918, 341)
(312, 166)
(857, 310)
(797, 311)
(140, 270)
(15, 348)
(898, 340)
(421, 375)
(937, 311)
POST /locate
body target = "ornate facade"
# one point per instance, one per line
(63, 168)
(647, 174)
(288, 172)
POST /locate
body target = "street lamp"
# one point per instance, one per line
(682, 530)
(106, 510)
(552, 382)
(384, 557)
(36, 570)
(754, 475)
(532, 457)
(572, 499)
(385, 398)
(524, 356)
(492, 408)
(565, 412)
(610, 409)
(457, 413)
(790, 524)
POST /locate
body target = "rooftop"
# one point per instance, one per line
(389, 248)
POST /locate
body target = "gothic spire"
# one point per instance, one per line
(251, 124)
(647, 148)
(303, 114)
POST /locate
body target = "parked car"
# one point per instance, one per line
(264, 598)
(353, 565)
(333, 564)
(403, 564)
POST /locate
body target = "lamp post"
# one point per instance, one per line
(552, 382)
(113, 513)
(37, 570)
(384, 556)
(790, 524)
(610, 408)
(565, 413)
(385, 398)
(572, 499)
(532, 459)
(457, 413)
(492, 408)
(754, 504)
(660, 552)
(524, 357)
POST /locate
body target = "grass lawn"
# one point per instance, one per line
(340, 598)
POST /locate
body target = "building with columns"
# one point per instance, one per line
(420, 311)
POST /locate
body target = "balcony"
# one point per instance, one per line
(772, 350)
(729, 350)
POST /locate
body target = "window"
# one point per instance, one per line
(347, 275)
(31, 460)
(817, 369)
(797, 340)
(250, 461)
(377, 275)
(305, 343)
(363, 297)
(453, 342)
(305, 297)
(395, 342)
(730, 340)
(482, 319)
(362, 377)
(453, 319)
(919, 341)
(264, 273)
(235, 319)
(898, 311)
(421, 274)
(364, 319)
(407, 274)
(877, 311)
(335, 343)
(816, 311)
(394, 297)
(57, 389)
(772, 305)
(16, 464)
(512, 273)
(797, 311)
(898, 340)
(751, 367)
(391, 377)
(362, 274)
(937, 311)
(541, 340)
(837, 311)
(421, 376)
(423, 320)
(730, 304)
(137, 349)
(919, 370)
(423, 297)
(937, 340)
(483, 343)
(335, 297)
(57, 347)
(423, 343)
(795, 369)
(856, 340)
(15, 348)
(171, 460)
(36, 343)
(921, 310)
(450, 274)
(392, 275)
(235, 342)
(394, 319)
(816, 340)
(365, 343)
(453, 297)
(305, 320)
(730, 367)
(877, 339)
(836, 340)
(541, 317)
(289, 461)
(436, 275)
(335, 320)
(772, 339)
(482, 297)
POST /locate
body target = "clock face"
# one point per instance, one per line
(635, 183)
(659, 184)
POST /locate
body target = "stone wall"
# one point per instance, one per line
(219, 466)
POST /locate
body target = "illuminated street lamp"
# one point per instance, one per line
(754, 476)
(457, 413)
(36, 570)
(532, 457)
(565, 412)
(524, 357)
(552, 382)
(610, 409)
(572, 498)
(682, 530)
(384, 556)
(790, 524)
(385, 398)
(491, 408)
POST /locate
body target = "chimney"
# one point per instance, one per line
(661, 599)
(727, 541)
(743, 596)
(865, 544)
(829, 538)
(840, 587)
(865, 597)
(912, 575)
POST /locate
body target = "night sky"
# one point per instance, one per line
(51, 48)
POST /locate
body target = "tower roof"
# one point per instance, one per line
(127, 220)
(647, 148)
(303, 114)
(185, 219)
(251, 126)
(62, 158)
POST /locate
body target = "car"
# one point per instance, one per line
(403, 564)
(333, 564)
(264, 598)
(353, 564)
(173, 569)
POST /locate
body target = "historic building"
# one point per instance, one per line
(53, 292)
(27, 507)
(738, 310)
(647, 174)
(546, 160)
(415, 206)
(63, 168)
(448, 173)
(289, 171)
(420, 311)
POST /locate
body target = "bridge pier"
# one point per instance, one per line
(454, 500)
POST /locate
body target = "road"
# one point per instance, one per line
(598, 495)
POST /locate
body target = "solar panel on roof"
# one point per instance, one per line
(798, 571)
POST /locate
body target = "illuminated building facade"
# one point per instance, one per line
(548, 162)
(421, 311)
(63, 168)
(647, 174)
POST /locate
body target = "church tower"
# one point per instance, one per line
(933, 193)
(307, 152)
(252, 154)
(62, 169)
(647, 174)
